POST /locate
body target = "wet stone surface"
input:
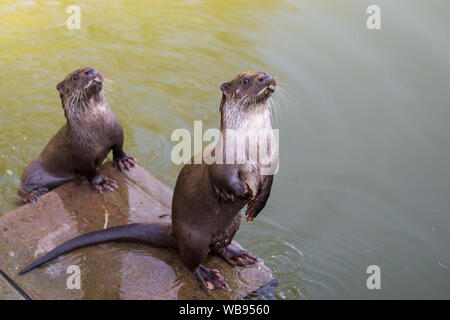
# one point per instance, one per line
(7, 292)
(113, 270)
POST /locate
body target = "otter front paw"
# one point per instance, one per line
(102, 184)
(124, 163)
(241, 191)
(222, 194)
(245, 192)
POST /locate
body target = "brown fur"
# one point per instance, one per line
(208, 198)
(82, 144)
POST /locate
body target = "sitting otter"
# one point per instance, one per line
(82, 144)
(208, 198)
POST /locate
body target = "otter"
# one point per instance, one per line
(82, 144)
(208, 198)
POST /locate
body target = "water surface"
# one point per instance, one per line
(364, 128)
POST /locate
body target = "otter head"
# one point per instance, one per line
(248, 89)
(79, 87)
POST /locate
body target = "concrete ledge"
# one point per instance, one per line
(7, 291)
(108, 271)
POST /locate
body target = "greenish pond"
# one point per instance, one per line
(364, 120)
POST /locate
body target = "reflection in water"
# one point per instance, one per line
(289, 265)
(364, 175)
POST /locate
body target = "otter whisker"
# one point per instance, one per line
(284, 95)
(275, 108)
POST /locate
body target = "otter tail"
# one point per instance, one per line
(154, 234)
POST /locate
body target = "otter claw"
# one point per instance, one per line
(125, 163)
(105, 184)
(210, 279)
(32, 199)
(237, 256)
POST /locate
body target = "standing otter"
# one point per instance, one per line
(82, 144)
(208, 198)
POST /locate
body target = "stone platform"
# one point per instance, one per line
(112, 270)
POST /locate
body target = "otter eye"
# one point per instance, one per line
(245, 81)
(75, 77)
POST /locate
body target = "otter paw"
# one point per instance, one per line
(103, 184)
(222, 194)
(246, 193)
(210, 279)
(236, 256)
(32, 199)
(125, 163)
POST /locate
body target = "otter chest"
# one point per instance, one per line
(96, 133)
(261, 148)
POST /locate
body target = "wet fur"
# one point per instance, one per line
(82, 144)
(208, 198)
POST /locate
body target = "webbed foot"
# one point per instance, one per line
(32, 199)
(237, 256)
(210, 279)
(104, 184)
(124, 163)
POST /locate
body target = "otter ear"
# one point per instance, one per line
(59, 87)
(225, 87)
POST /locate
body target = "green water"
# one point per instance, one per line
(364, 128)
